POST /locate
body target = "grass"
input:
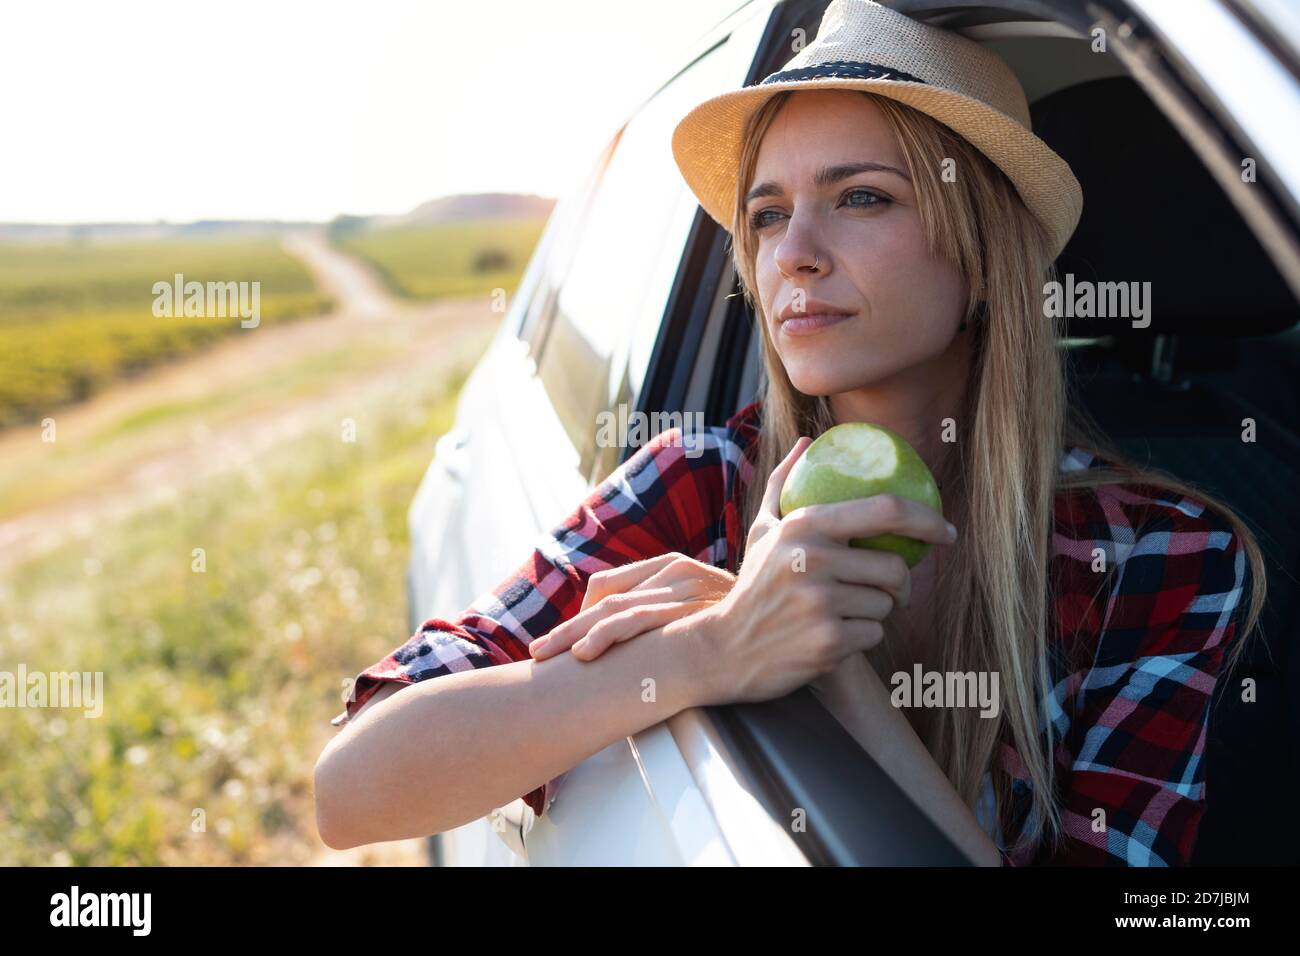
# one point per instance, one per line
(76, 316)
(218, 685)
(448, 260)
(64, 471)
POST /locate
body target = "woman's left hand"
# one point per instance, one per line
(627, 601)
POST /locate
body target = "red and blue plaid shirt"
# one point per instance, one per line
(1135, 658)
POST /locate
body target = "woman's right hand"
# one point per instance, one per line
(805, 599)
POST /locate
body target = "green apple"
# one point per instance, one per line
(857, 460)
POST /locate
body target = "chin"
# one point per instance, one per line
(830, 378)
(813, 383)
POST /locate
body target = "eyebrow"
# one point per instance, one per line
(827, 176)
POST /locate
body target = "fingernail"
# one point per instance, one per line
(952, 531)
(537, 644)
(580, 645)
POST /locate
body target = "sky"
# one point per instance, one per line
(143, 111)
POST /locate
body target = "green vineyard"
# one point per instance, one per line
(73, 317)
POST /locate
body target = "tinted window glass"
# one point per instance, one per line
(625, 257)
(569, 215)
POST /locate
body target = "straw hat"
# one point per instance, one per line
(861, 45)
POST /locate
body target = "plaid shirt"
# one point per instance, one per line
(1134, 659)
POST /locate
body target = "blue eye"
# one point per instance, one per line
(875, 198)
(870, 199)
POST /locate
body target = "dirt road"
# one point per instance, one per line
(162, 461)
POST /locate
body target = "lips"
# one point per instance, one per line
(808, 324)
(815, 316)
(813, 307)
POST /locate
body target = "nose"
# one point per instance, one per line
(799, 252)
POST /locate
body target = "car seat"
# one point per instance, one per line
(1222, 347)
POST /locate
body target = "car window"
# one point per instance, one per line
(626, 256)
(556, 252)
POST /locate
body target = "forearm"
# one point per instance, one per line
(863, 707)
(447, 750)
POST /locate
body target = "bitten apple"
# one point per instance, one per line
(857, 460)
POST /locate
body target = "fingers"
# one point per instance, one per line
(665, 578)
(859, 601)
(858, 566)
(624, 578)
(695, 575)
(629, 624)
(776, 481)
(564, 635)
(877, 514)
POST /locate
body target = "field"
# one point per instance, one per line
(219, 683)
(208, 537)
(74, 317)
(456, 259)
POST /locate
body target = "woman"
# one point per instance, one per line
(893, 224)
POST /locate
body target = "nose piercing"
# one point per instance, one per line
(815, 261)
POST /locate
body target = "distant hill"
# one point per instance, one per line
(480, 206)
(474, 207)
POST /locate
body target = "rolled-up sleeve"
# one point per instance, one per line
(652, 504)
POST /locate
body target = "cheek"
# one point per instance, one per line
(767, 278)
(912, 295)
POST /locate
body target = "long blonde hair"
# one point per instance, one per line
(1000, 485)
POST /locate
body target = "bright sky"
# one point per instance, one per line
(135, 110)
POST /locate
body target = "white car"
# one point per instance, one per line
(627, 301)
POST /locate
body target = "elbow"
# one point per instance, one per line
(335, 819)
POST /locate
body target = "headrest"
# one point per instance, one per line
(1153, 213)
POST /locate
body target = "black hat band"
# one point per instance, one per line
(852, 68)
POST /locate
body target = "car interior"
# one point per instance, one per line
(1222, 348)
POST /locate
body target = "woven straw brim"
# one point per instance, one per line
(707, 146)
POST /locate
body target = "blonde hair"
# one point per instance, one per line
(999, 488)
